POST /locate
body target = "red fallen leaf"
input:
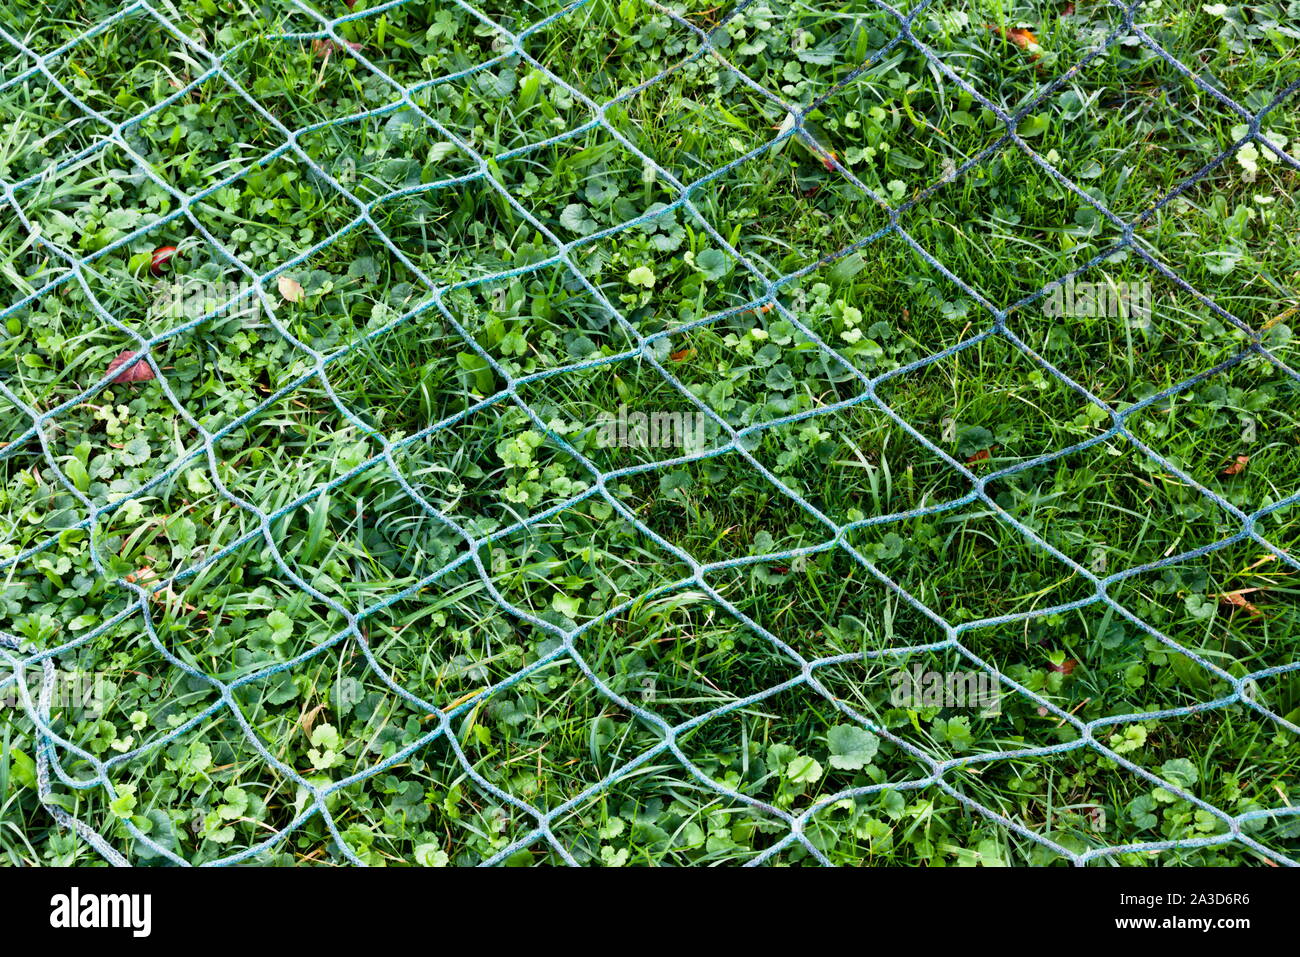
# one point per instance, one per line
(980, 456)
(681, 355)
(324, 46)
(1064, 668)
(829, 159)
(136, 370)
(1066, 11)
(781, 569)
(1021, 37)
(161, 257)
(1236, 466)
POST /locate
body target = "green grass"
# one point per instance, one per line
(372, 504)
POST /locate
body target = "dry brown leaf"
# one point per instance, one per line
(1237, 599)
(981, 456)
(681, 355)
(1236, 466)
(1021, 37)
(309, 718)
(129, 368)
(143, 576)
(325, 46)
(290, 289)
(1065, 667)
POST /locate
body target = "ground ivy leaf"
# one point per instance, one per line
(1180, 772)
(641, 276)
(713, 263)
(851, 747)
(804, 770)
(199, 758)
(566, 606)
(578, 218)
